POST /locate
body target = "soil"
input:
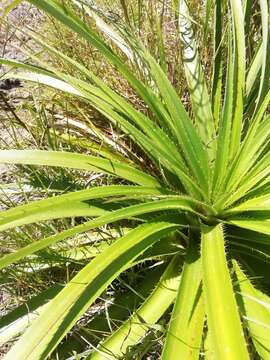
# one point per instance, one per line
(22, 16)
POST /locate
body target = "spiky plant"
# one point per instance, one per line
(207, 188)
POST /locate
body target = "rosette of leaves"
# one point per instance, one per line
(207, 188)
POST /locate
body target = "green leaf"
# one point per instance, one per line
(123, 213)
(261, 226)
(248, 14)
(226, 331)
(247, 235)
(265, 69)
(158, 146)
(108, 30)
(186, 326)
(256, 177)
(256, 315)
(45, 79)
(60, 12)
(76, 161)
(162, 144)
(14, 64)
(254, 251)
(218, 62)
(71, 204)
(243, 172)
(120, 309)
(17, 320)
(104, 92)
(200, 99)
(254, 71)
(62, 313)
(254, 204)
(208, 347)
(133, 330)
(239, 74)
(221, 164)
(190, 142)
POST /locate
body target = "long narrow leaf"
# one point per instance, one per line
(124, 213)
(186, 326)
(226, 331)
(257, 316)
(196, 82)
(71, 204)
(261, 226)
(76, 161)
(239, 74)
(61, 314)
(141, 321)
(265, 70)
